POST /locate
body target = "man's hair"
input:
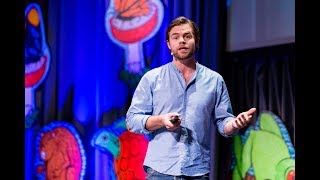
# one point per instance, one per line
(183, 20)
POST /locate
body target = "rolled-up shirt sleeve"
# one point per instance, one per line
(223, 109)
(141, 107)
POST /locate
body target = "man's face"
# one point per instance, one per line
(182, 42)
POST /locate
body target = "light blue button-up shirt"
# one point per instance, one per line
(205, 100)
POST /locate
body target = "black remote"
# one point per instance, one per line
(174, 119)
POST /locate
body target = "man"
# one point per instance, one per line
(191, 93)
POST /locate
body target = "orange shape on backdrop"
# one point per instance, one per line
(131, 8)
(33, 17)
(61, 154)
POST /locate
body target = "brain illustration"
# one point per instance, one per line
(60, 153)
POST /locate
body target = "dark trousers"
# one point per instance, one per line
(154, 175)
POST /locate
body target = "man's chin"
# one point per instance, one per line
(184, 57)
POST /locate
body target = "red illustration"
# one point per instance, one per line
(129, 163)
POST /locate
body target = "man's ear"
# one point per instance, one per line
(168, 44)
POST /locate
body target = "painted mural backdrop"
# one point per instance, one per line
(58, 151)
(55, 150)
(129, 23)
(265, 151)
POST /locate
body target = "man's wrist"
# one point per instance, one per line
(233, 127)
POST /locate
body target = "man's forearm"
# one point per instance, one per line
(154, 122)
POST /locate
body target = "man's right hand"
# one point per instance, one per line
(167, 121)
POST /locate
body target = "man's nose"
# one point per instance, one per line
(182, 40)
